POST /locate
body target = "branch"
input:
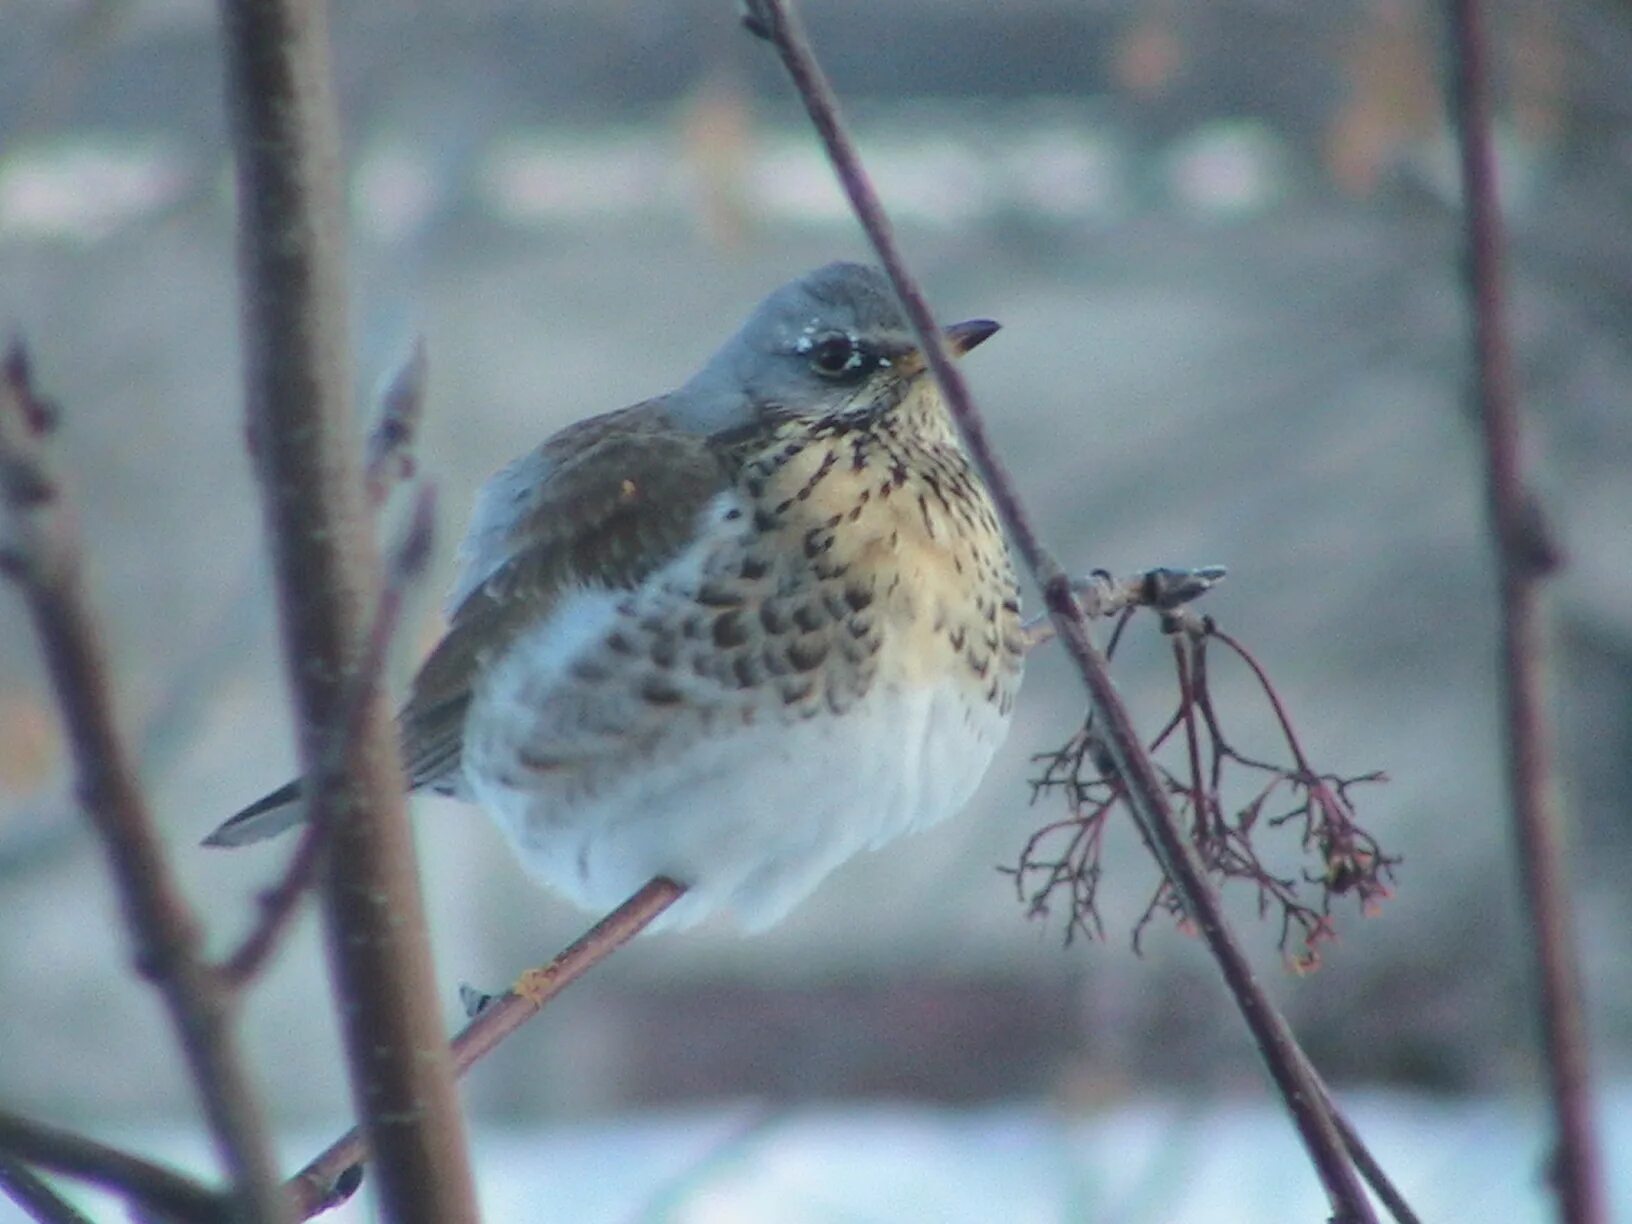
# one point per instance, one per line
(281, 902)
(1164, 589)
(389, 457)
(333, 1176)
(35, 1196)
(42, 554)
(775, 21)
(142, 1182)
(1525, 554)
(292, 254)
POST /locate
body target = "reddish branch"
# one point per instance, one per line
(1525, 555)
(332, 1177)
(775, 21)
(285, 136)
(42, 554)
(1064, 856)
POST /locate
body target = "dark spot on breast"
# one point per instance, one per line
(729, 630)
(665, 650)
(771, 616)
(746, 671)
(856, 650)
(958, 637)
(859, 598)
(660, 691)
(718, 595)
(807, 653)
(754, 568)
(591, 671)
(809, 618)
(795, 691)
(771, 658)
(619, 643)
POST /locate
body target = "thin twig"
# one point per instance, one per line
(1525, 555)
(142, 1182)
(1165, 589)
(281, 902)
(389, 456)
(1388, 1194)
(330, 1178)
(43, 555)
(35, 1196)
(297, 377)
(775, 21)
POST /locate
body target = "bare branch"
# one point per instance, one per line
(42, 553)
(389, 458)
(776, 21)
(1165, 589)
(281, 902)
(1525, 554)
(333, 1176)
(142, 1182)
(35, 1196)
(285, 134)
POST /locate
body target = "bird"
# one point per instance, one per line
(732, 635)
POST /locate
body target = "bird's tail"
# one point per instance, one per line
(266, 817)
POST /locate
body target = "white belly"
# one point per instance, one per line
(751, 820)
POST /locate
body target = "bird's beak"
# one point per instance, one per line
(961, 337)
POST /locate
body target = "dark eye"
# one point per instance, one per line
(838, 355)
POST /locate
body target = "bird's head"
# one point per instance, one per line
(831, 343)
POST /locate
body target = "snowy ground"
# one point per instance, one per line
(1140, 1162)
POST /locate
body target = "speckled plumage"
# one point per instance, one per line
(735, 634)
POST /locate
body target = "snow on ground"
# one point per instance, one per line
(1141, 1162)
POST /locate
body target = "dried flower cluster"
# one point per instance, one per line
(1233, 804)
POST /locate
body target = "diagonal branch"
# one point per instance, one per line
(42, 554)
(143, 1182)
(775, 21)
(297, 378)
(1525, 555)
(35, 1196)
(331, 1177)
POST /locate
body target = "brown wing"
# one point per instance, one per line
(602, 503)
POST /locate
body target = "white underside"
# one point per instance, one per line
(751, 820)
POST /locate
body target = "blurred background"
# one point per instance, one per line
(1223, 241)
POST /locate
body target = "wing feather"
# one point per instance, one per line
(601, 504)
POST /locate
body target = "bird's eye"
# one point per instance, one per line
(839, 355)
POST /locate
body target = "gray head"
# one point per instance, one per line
(833, 341)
